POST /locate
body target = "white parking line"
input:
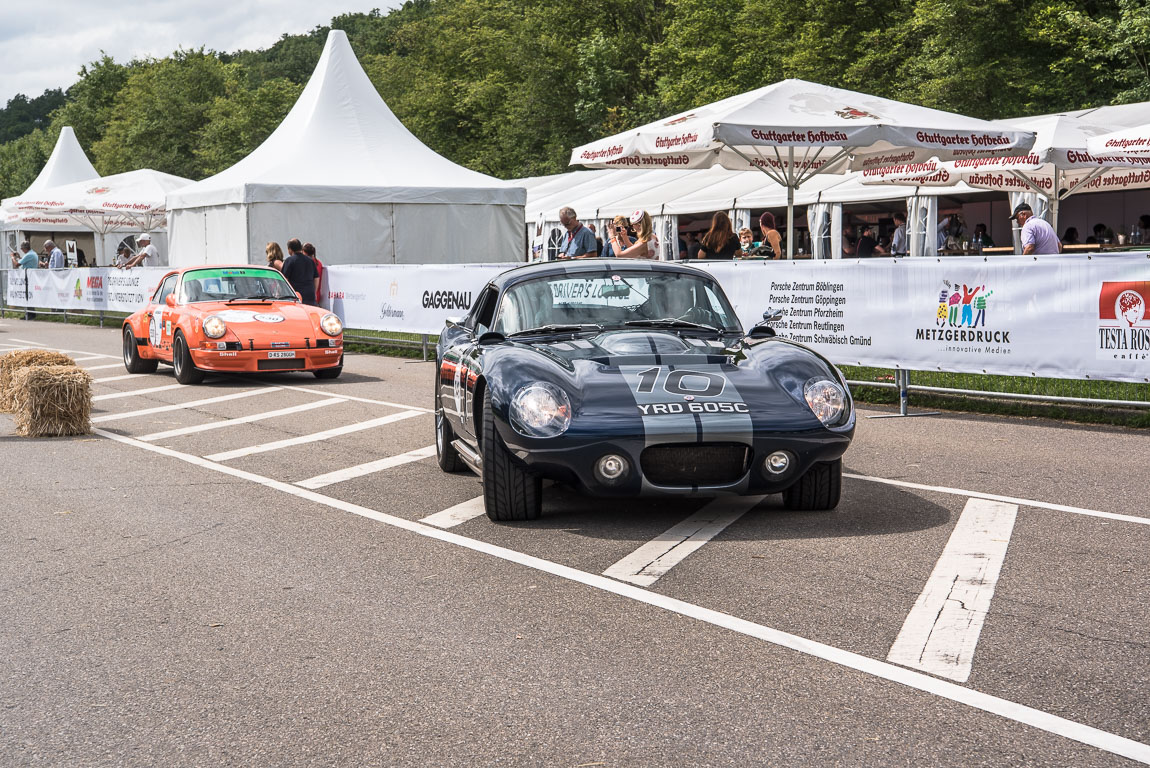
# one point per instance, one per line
(457, 515)
(103, 367)
(38, 345)
(340, 475)
(940, 633)
(125, 377)
(134, 392)
(312, 438)
(1004, 499)
(240, 420)
(179, 406)
(362, 399)
(651, 561)
(1019, 713)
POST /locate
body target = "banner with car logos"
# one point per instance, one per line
(94, 289)
(1069, 316)
(413, 298)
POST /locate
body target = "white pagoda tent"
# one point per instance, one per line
(342, 172)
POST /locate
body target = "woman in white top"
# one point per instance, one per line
(645, 246)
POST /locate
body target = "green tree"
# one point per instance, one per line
(240, 120)
(21, 161)
(159, 114)
(90, 103)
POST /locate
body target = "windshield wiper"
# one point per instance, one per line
(254, 298)
(672, 322)
(556, 328)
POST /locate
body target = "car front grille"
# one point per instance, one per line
(281, 364)
(695, 464)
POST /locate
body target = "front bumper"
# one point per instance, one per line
(267, 360)
(572, 461)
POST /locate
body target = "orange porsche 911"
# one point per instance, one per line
(242, 319)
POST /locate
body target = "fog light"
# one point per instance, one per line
(777, 463)
(612, 469)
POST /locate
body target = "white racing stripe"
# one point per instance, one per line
(340, 475)
(940, 633)
(457, 515)
(180, 406)
(134, 392)
(1004, 499)
(650, 562)
(312, 438)
(240, 420)
(1019, 713)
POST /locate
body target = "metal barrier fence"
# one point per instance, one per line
(1015, 388)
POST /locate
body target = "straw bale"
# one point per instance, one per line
(52, 401)
(22, 358)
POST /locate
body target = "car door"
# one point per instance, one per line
(159, 318)
(468, 363)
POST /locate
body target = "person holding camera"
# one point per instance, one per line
(646, 245)
(26, 259)
(618, 230)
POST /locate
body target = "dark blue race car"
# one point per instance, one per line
(632, 378)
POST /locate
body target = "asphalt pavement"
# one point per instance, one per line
(266, 577)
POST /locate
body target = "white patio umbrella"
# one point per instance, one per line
(1128, 141)
(794, 129)
(1057, 166)
(135, 200)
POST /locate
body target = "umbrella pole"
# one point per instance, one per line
(791, 204)
(1054, 199)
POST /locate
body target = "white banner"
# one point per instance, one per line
(413, 298)
(96, 289)
(1069, 316)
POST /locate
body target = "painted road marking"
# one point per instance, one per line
(240, 420)
(362, 399)
(940, 633)
(125, 377)
(135, 392)
(316, 437)
(340, 475)
(1019, 713)
(650, 562)
(104, 367)
(38, 345)
(179, 406)
(457, 515)
(1004, 499)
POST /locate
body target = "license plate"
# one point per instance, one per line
(272, 355)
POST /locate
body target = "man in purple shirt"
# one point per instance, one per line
(1038, 236)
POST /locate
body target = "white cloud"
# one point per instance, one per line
(47, 43)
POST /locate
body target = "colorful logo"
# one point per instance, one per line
(962, 305)
(850, 113)
(1123, 325)
(79, 292)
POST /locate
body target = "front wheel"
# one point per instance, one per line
(132, 360)
(510, 492)
(330, 373)
(818, 489)
(186, 370)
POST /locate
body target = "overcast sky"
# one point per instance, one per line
(45, 43)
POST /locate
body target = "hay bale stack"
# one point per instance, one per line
(52, 401)
(23, 358)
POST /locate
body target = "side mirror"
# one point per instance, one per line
(299, 297)
(170, 300)
(454, 321)
(490, 337)
(772, 315)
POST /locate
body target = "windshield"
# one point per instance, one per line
(235, 283)
(613, 299)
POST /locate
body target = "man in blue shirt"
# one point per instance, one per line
(28, 259)
(579, 243)
(56, 258)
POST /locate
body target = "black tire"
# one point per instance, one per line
(818, 489)
(186, 370)
(509, 491)
(447, 456)
(330, 373)
(132, 360)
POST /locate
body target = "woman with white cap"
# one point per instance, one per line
(646, 245)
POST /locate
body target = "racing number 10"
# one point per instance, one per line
(674, 383)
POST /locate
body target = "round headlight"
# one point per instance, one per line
(214, 326)
(540, 410)
(331, 325)
(826, 399)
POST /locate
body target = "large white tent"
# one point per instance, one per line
(343, 172)
(66, 164)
